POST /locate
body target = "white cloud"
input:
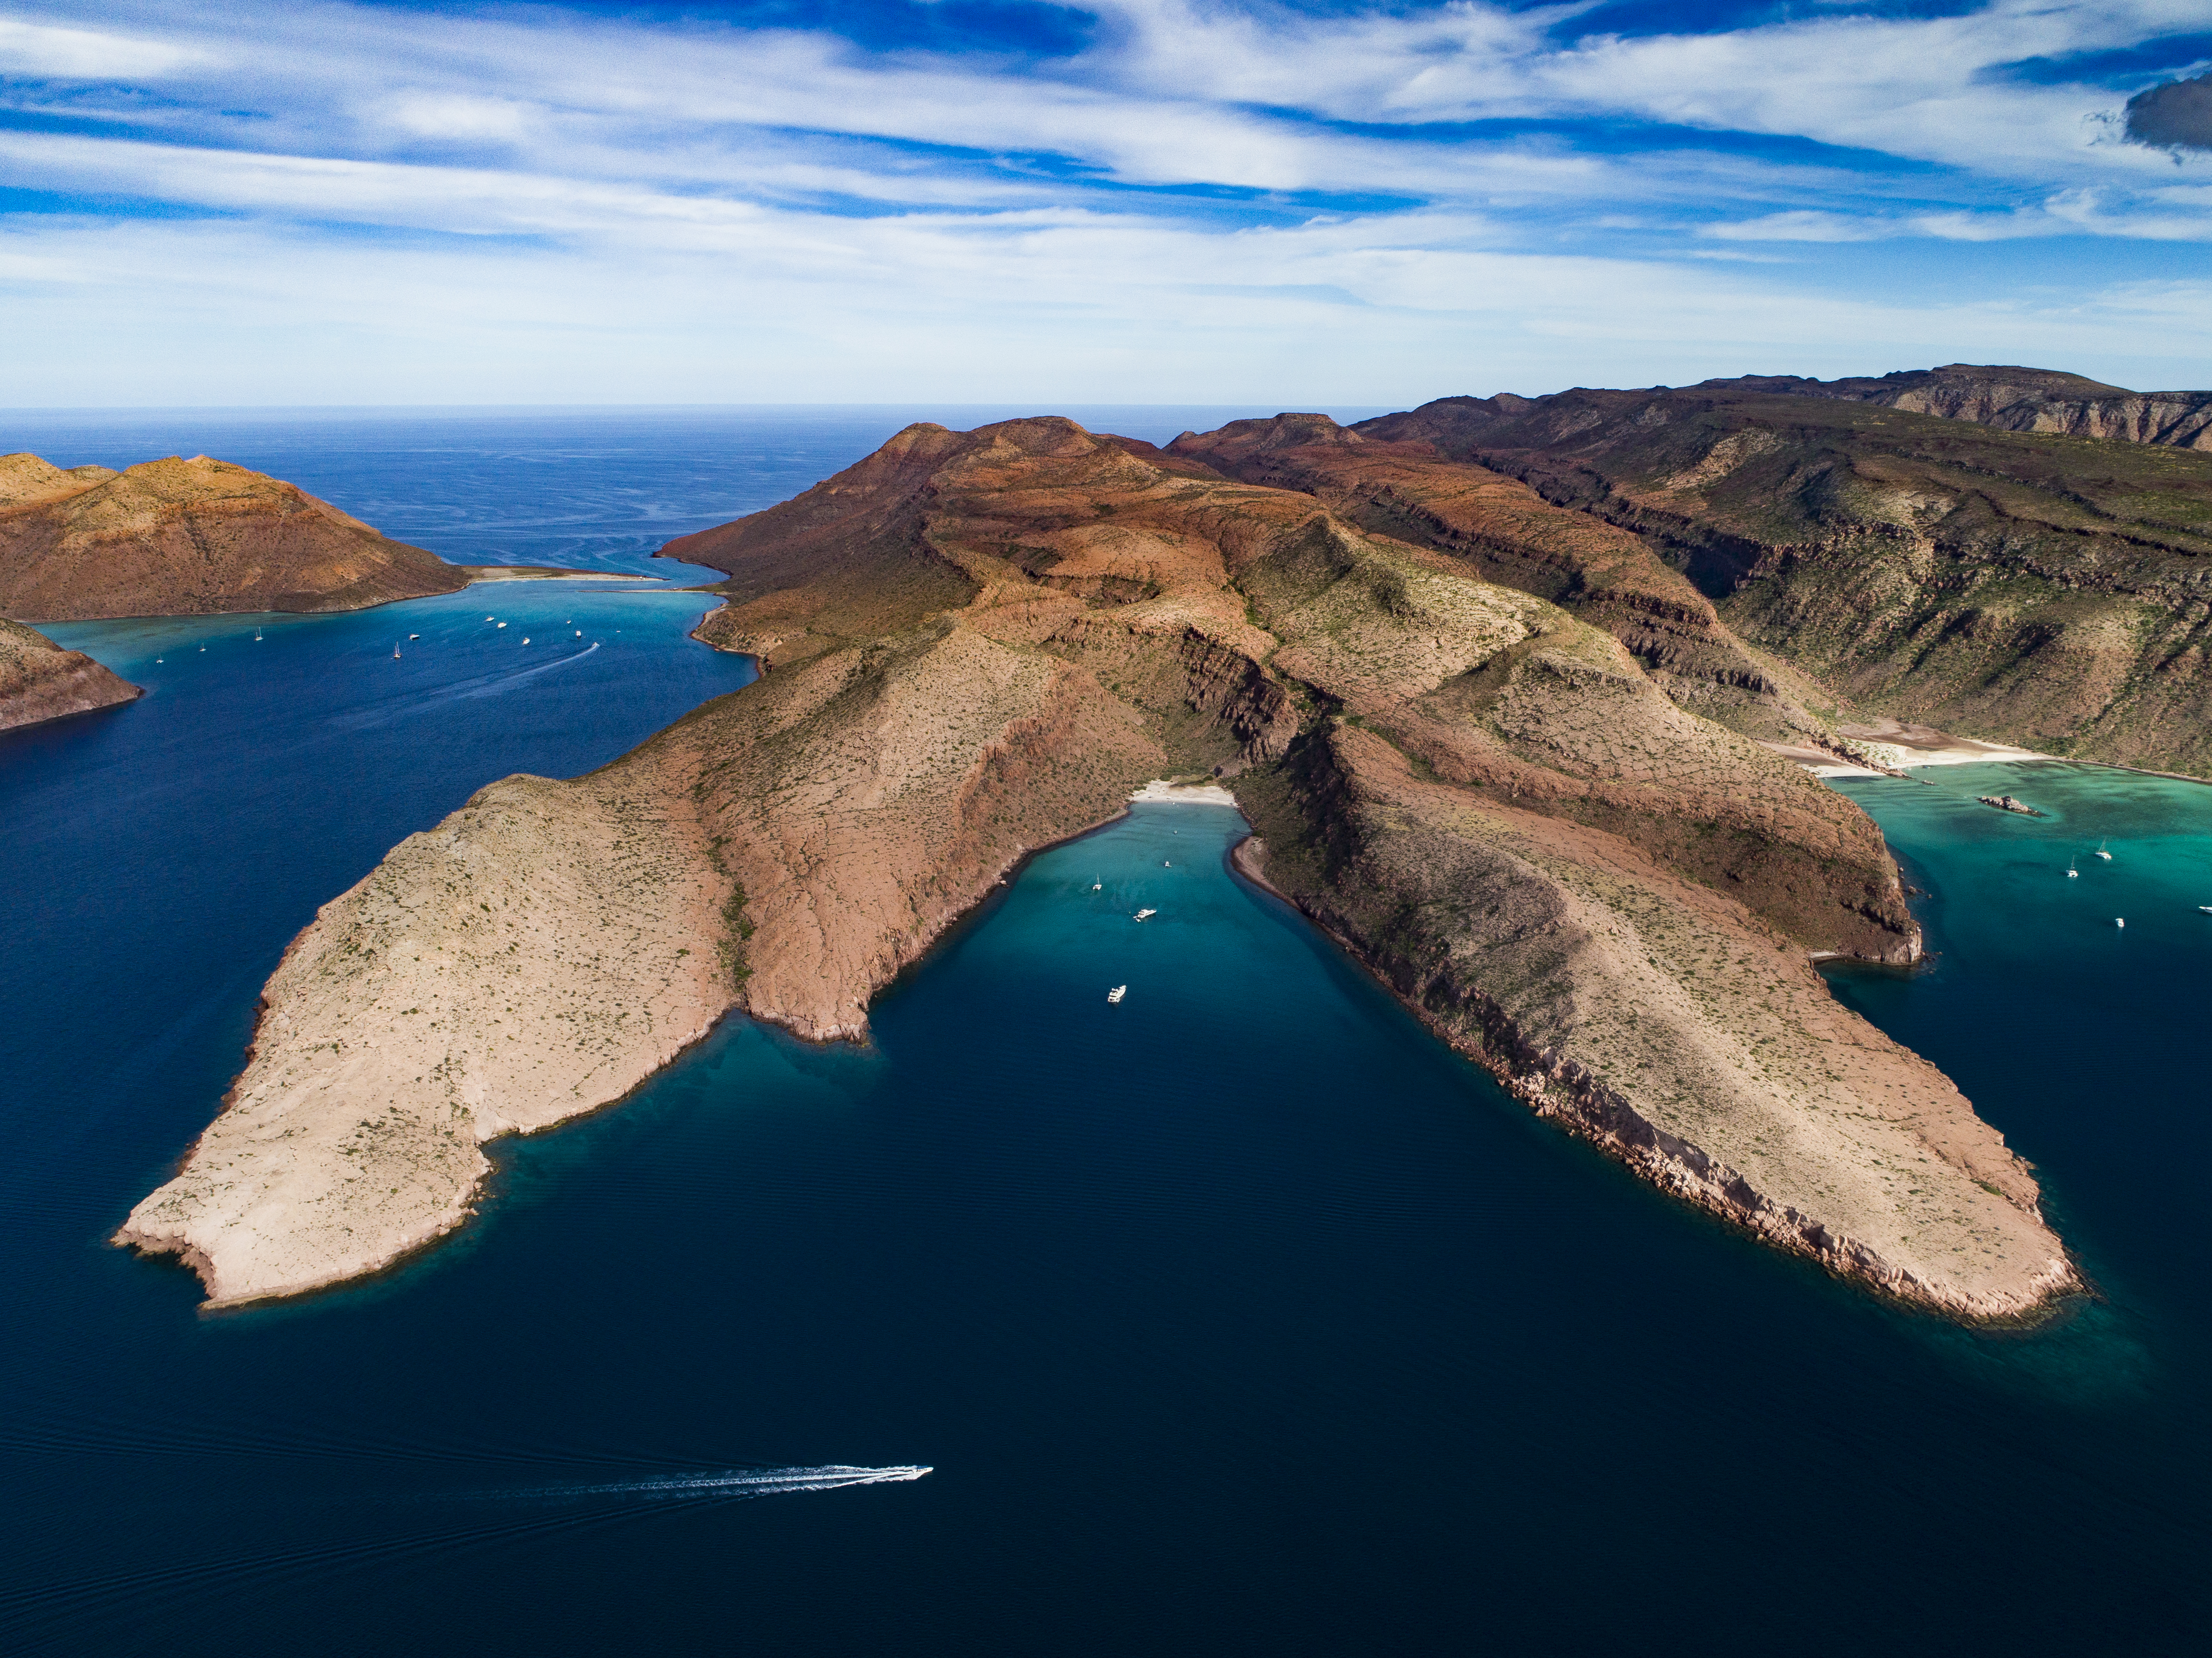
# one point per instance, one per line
(519, 204)
(71, 54)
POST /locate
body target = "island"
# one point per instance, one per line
(1537, 817)
(40, 680)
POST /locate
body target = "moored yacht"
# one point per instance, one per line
(1117, 992)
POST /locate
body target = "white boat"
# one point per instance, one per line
(1097, 886)
(395, 652)
(502, 624)
(2102, 853)
(2207, 908)
(2120, 920)
(1165, 865)
(257, 635)
(2072, 873)
(579, 633)
(1142, 913)
(526, 639)
(411, 635)
(486, 618)
(1117, 992)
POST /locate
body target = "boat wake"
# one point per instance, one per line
(737, 1482)
(490, 684)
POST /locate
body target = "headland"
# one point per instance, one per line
(40, 680)
(983, 642)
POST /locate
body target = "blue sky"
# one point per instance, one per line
(1298, 202)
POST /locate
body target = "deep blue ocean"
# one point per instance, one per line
(1239, 1318)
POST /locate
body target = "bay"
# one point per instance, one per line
(1238, 1317)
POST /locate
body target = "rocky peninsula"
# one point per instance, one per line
(39, 680)
(191, 537)
(978, 643)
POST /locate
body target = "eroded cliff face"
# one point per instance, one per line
(2038, 590)
(2016, 400)
(981, 642)
(39, 680)
(190, 538)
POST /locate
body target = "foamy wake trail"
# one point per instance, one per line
(738, 1483)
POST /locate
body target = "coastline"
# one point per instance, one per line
(544, 573)
(1563, 1091)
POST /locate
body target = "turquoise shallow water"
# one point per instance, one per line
(1240, 1317)
(2082, 1038)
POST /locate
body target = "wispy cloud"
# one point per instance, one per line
(1173, 203)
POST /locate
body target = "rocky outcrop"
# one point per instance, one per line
(2040, 589)
(190, 538)
(981, 642)
(39, 680)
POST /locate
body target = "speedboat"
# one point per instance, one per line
(1117, 992)
(502, 624)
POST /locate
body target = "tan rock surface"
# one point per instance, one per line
(981, 642)
(39, 680)
(190, 538)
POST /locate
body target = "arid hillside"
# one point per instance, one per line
(1505, 532)
(190, 538)
(2047, 591)
(39, 680)
(977, 643)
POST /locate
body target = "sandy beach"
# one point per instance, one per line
(1161, 792)
(1895, 746)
